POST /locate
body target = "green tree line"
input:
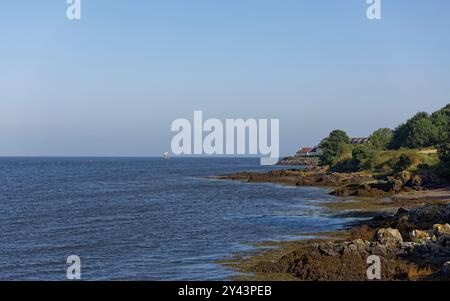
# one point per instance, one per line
(420, 131)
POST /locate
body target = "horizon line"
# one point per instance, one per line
(131, 156)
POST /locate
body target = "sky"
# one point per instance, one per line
(111, 83)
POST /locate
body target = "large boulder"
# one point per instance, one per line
(389, 236)
(440, 230)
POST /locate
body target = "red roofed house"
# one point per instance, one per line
(304, 152)
(309, 152)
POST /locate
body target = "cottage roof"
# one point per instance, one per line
(304, 150)
(359, 140)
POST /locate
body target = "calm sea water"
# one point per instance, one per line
(142, 218)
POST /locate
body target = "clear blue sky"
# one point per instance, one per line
(112, 83)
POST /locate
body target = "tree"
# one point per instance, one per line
(332, 146)
(444, 153)
(444, 156)
(399, 137)
(381, 138)
(441, 120)
(419, 131)
(423, 132)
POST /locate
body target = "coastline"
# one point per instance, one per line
(389, 222)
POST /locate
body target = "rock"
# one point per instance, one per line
(418, 235)
(343, 192)
(434, 249)
(299, 161)
(381, 217)
(405, 176)
(416, 182)
(440, 230)
(403, 220)
(445, 270)
(360, 245)
(427, 216)
(444, 241)
(396, 185)
(402, 211)
(325, 249)
(350, 249)
(388, 236)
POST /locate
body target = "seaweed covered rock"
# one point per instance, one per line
(427, 216)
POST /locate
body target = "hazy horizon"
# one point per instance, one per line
(110, 84)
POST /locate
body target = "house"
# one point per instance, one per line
(303, 152)
(317, 150)
(357, 141)
(308, 151)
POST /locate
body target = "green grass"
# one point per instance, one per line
(386, 157)
(387, 161)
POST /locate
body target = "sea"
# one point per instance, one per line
(144, 218)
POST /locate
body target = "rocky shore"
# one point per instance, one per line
(299, 161)
(410, 245)
(409, 231)
(343, 184)
(300, 177)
